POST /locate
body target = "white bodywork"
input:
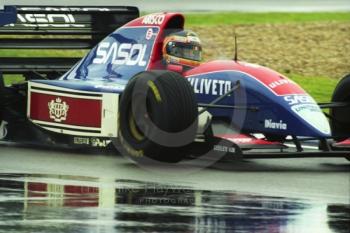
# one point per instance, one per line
(109, 111)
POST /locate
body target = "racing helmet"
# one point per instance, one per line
(182, 48)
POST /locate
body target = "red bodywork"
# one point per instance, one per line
(81, 112)
(343, 144)
(166, 22)
(249, 141)
(274, 81)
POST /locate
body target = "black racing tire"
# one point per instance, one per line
(340, 117)
(2, 102)
(170, 106)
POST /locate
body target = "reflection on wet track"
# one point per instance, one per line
(48, 203)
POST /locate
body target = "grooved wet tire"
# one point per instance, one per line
(340, 117)
(170, 105)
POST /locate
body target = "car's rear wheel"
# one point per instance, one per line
(340, 117)
(157, 116)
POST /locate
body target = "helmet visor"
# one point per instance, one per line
(186, 51)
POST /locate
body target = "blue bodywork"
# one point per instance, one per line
(88, 75)
(271, 108)
(8, 15)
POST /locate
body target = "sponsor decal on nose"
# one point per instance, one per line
(269, 124)
(210, 86)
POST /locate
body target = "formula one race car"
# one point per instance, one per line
(144, 90)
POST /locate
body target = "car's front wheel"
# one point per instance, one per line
(157, 116)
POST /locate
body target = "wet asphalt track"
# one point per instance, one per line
(61, 191)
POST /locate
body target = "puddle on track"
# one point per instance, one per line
(51, 203)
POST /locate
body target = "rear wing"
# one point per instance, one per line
(7, 15)
(54, 27)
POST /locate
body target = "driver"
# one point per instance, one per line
(182, 51)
